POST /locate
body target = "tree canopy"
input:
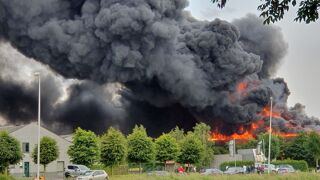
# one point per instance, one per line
(49, 151)
(166, 148)
(313, 145)
(140, 146)
(275, 145)
(274, 10)
(10, 151)
(113, 147)
(192, 150)
(84, 149)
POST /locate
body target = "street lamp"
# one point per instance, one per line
(37, 74)
(270, 132)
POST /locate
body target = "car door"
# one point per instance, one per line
(97, 175)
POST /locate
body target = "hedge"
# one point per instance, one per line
(296, 164)
(239, 163)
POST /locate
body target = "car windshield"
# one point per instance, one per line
(83, 168)
(88, 173)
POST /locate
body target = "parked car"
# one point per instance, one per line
(234, 170)
(75, 170)
(94, 175)
(158, 173)
(272, 167)
(285, 168)
(212, 172)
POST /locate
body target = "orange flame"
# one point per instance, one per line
(250, 133)
(242, 86)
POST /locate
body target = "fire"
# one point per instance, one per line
(251, 131)
(242, 86)
(266, 113)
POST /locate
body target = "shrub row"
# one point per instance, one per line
(238, 163)
(296, 164)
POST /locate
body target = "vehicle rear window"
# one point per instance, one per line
(70, 167)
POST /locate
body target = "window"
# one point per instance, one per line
(70, 167)
(25, 147)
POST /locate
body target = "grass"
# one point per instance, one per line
(294, 176)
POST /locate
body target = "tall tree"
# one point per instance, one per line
(113, 147)
(84, 149)
(192, 150)
(313, 145)
(274, 10)
(49, 151)
(298, 150)
(10, 151)
(177, 133)
(166, 148)
(275, 145)
(203, 132)
(140, 146)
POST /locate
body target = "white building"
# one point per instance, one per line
(27, 136)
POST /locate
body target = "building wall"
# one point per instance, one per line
(29, 134)
(221, 158)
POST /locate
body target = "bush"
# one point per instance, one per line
(4, 177)
(239, 164)
(296, 164)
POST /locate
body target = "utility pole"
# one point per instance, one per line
(270, 133)
(37, 74)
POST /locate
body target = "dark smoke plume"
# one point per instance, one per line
(169, 67)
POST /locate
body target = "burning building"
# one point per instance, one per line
(120, 63)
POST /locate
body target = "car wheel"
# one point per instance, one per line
(67, 175)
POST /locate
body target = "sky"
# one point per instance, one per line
(300, 67)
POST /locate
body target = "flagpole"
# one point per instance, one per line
(270, 132)
(234, 150)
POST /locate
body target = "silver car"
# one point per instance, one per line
(212, 172)
(75, 170)
(234, 170)
(285, 168)
(94, 175)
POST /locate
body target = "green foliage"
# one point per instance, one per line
(239, 164)
(140, 146)
(192, 150)
(84, 149)
(49, 151)
(296, 164)
(113, 147)
(298, 150)
(4, 177)
(250, 144)
(203, 132)
(221, 149)
(10, 151)
(275, 144)
(166, 148)
(274, 10)
(177, 133)
(313, 145)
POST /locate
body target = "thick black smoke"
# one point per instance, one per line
(168, 64)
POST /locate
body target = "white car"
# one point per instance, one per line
(94, 175)
(74, 170)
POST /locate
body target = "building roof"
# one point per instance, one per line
(11, 129)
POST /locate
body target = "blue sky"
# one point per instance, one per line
(300, 67)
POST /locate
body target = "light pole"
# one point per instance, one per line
(37, 74)
(270, 132)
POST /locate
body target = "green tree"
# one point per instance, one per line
(166, 148)
(177, 133)
(313, 145)
(203, 132)
(275, 145)
(250, 144)
(298, 150)
(10, 151)
(84, 149)
(274, 10)
(113, 147)
(140, 146)
(192, 150)
(49, 152)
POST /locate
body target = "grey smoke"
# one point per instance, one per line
(165, 60)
